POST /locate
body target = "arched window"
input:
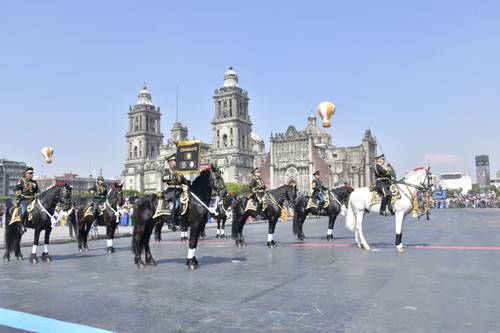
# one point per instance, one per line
(224, 140)
(135, 151)
(231, 131)
(231, 142)
(243, 140)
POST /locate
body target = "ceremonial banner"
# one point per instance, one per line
(188, 156)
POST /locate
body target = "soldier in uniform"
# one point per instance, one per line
(384, 176)
(173, 187)
(26, 190)
(99, 191)
(258, 188)
(317, 189)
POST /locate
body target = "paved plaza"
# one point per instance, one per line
(446, 281)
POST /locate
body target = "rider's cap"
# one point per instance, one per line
(172, 157)
(28, 170)
(254, 171)
(316, 173)
(380, 156)
(100, 178)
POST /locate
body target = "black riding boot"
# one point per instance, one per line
(383, 205)
(389, 206)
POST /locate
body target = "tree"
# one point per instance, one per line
(239, 189)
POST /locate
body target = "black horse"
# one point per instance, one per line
(196, 216)
(338, 196)
(223, 209)
(109, 218)
(43, 216)
(275, 205)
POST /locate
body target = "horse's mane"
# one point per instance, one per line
(342, 191)
(200, 185)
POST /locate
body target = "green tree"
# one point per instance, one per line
(239, 189)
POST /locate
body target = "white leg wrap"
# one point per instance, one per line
(269, 237)
(222, 231)
(109, 242)
(218, 231)
(191, 253)
(33, 250)
(329, 232)
(46, 248)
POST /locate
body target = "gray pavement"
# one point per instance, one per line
(313, 286)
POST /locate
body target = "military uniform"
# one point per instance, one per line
(383, 175)
(99, 191)
(25, 191)
(173, 189)
(317, 189)
(258, 189)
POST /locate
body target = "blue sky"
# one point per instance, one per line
(423, 75)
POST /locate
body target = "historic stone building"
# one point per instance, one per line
(234, 148)
(297, 154)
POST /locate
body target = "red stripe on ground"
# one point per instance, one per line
(446, 247)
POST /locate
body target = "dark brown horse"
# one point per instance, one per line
(109, 219)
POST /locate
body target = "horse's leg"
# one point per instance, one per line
(331, 223)
(270, 235)
(45, 255)
(137, 242)
(203, 235)
(87, 226)
(400, 216)
(36, 237)
(195, 230)
(300, 235)
(157, 228)
(223, 226)
(110, 234)
(184, 228)
(241, 241)
(17, 241)
(146, 239)
(359, 227)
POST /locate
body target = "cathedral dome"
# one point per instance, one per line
(255, 137)
(230, 78)
(144, 96)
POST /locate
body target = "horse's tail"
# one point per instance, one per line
(10, 230)
(235, 223)
(296, 223)
(350, 219)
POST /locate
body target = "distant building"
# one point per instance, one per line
(10, 173)
(297, 154)
(80, 185)
(456, 180)
(498, 174)
(495, 182)
(483, 173)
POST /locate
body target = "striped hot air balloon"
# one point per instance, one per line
(325, 111)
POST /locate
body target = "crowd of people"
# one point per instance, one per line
(473, 201)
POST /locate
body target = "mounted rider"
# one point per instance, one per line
(174, 182)
(317, 189)
(25, 190)
(99, 192)
(385, 176)
(258, 189)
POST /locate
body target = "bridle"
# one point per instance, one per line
(424, 186)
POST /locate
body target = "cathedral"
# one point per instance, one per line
(236, 149)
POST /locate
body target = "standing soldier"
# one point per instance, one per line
(173, 190)
(317, 189)
(258, 189)
(99, 191)
(384, 176)
(26, 190)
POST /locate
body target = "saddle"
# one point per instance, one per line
(313, 201)
(165, 207)
(16, 214)
(253, 204)
(376, 198)
(89, 209)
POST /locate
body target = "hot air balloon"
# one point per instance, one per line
(47, 153)
(325, 111)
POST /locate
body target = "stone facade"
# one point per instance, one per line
(10, 173)
(297, 154)
(234, 148)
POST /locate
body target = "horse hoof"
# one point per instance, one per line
(86, 249)
(192, 263)
(33, 258)
(222, 236)
(46, 257)
(217, 237)
(151, 262)
(19, 258)
(243, 243)
(329, 238)
(80, 250)
(140, 263)
(110, 249)
(6, 258)
(400, 248)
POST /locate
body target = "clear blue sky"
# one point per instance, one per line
(423, 75)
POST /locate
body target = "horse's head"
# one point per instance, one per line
(65, 197)
(216, 182)
(291, 192)
(342, 193)
(421, 178)
(59, 194)
(230, 199)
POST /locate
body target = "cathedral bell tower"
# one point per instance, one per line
(232, 130)
(144, 139)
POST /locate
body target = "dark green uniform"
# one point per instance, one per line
(25, 191)
(384, 178)
(317, 190)
(258, 190)
(99, 192)
(173, 189)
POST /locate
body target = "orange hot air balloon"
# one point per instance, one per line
(325, 111)
(47, 153)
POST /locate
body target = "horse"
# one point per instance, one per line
(42, 219)
(196, 216)
(337, 197)
(275, 200)
(223, 209)
(360, 202)
(109, 218)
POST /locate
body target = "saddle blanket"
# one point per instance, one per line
(16, 214)
(89, 209)
(313, 201)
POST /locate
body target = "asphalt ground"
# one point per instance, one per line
(446, 281)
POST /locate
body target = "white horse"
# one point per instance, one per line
(360, 203)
